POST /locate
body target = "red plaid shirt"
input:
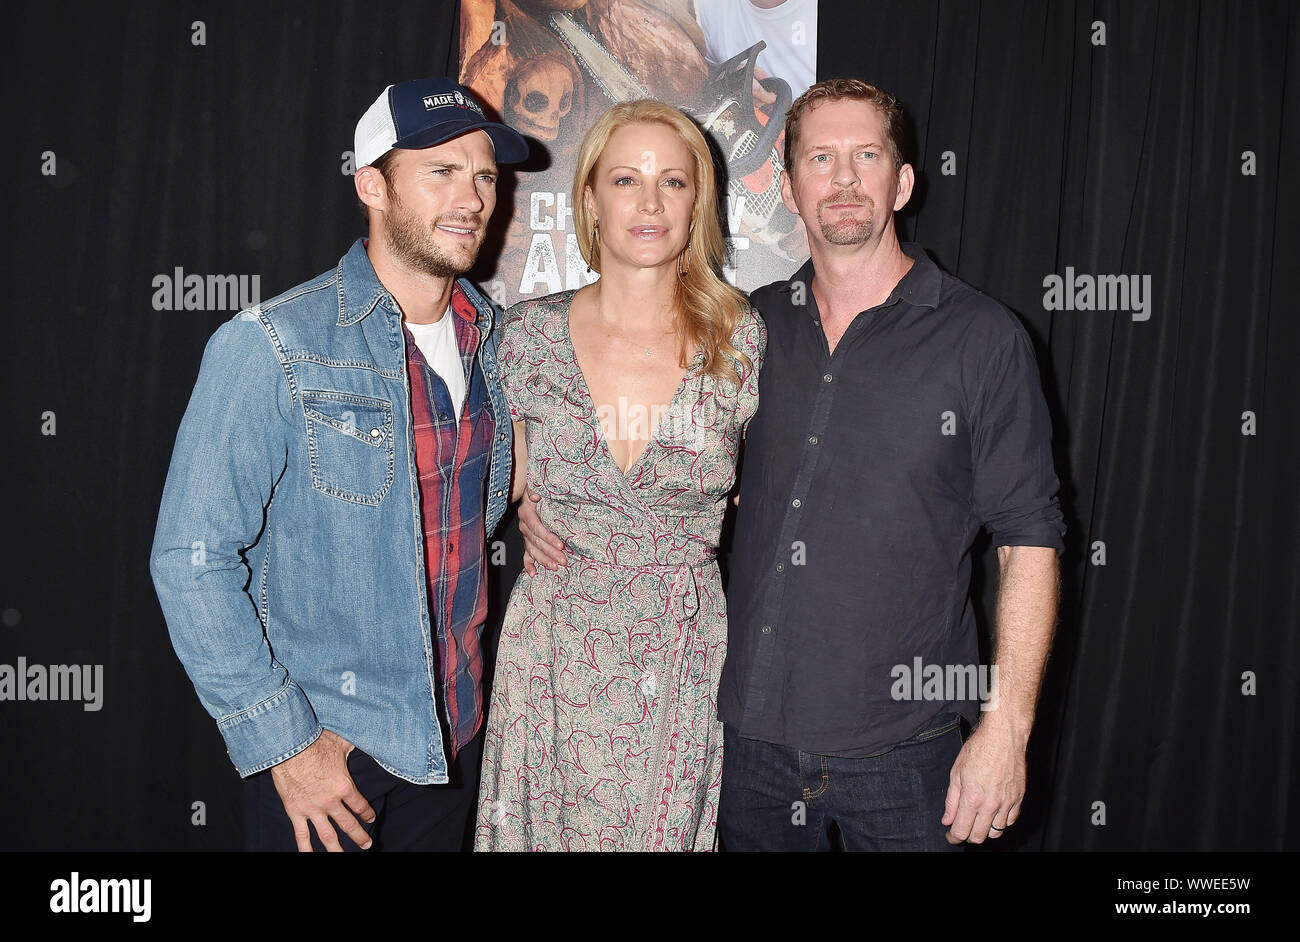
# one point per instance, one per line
(451, 459)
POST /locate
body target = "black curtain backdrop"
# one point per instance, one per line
(1123, 159)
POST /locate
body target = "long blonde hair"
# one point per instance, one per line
(707, 307)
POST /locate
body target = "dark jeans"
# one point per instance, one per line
(778, 798)
(407, 816)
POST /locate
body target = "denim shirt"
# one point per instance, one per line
(289, 556)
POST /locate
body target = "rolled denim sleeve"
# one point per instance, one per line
(1015, 483)
(230, 451)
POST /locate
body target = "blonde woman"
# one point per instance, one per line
(630, 397)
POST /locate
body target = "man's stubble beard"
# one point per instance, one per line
(413, 245)
(849, 232)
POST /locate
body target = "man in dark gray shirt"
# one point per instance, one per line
(899, 412)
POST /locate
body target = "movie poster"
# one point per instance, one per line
(551, 67)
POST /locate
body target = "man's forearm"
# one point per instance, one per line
(1028, 594)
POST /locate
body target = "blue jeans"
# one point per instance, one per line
(777, 798)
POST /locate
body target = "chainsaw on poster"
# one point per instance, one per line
(748, 137)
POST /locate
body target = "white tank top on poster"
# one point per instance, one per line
(790, 30)
(438, 344)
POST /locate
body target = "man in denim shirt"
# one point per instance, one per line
(319, 555)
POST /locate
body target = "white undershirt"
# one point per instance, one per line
(438, 344)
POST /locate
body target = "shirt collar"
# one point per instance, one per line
(360, 292)
(462, 305)
(359, 287)
(920, 286)
(922, 283)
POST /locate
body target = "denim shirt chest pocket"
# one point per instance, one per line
(350, 445)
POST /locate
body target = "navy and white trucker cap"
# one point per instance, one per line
(425, 112)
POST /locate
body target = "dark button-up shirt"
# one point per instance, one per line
(867, 475)
(452, 459)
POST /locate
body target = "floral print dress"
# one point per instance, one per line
(602, 731)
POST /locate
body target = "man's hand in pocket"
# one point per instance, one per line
(315, 786)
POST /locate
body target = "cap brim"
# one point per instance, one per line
(510, 145)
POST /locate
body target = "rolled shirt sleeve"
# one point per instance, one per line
(1015, 485)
